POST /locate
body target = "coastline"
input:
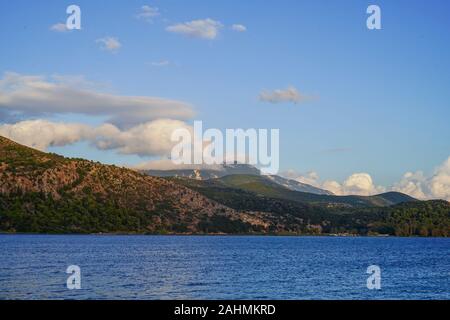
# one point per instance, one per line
(216, 235)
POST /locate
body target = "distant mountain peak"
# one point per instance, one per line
(299, 186)
(47, 193)
(235, 168)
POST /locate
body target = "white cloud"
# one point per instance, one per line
(360, 184)
(147, 139)
(166, 164)
(239, 28)
(59, 27)
(148, 13)
(290, 94)
(110, 44)
(37, 95)
(332, 186)
(151, 138)
(311, 178)
(356, 184)
(440, 182)
(41, 134)
(418, 185)
(162, 63)
(415, 184)
(204, 29)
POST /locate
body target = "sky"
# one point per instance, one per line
(359, 111)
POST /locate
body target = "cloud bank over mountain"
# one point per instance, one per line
(142, 125)
(147, 139)
(415, 184)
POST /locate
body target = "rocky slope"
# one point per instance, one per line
(160, 203)
(219, 171)
(47, 193)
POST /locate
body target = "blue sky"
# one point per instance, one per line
(382, 96)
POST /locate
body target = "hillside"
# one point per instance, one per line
(265, 186)
(206, 172)
(219, 171)
(298, 186)
(419, 218)
(47, 193)
(41, 192)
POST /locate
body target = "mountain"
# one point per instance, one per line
(47, 193)
(214, 172)
(234, 169)
(42, 192)
(297, 212)
(265, 186)
(298, 186)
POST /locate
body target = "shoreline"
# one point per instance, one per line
(214, 235)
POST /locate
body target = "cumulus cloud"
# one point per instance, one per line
(59, 27)
(161, 63)
(311, 177)
(440, 181)
(437, 186)
(356, 184)
(204, 29)
(110, 44)
(290, 94)
(167, 164)
(41, 134)
(147, 139)
(37, 95)
(332, 186)
(148, 13)
(239, 28)
(360, 184)
(415, 184)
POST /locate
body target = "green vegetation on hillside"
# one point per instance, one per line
(413, 218)
(426, 218)
(46, 193)
(40, 213)
(264, 186)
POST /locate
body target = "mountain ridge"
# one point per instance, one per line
(265, 186)
(47, 193)
(26, 171)
(219, 171)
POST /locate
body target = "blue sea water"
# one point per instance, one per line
(223, 267)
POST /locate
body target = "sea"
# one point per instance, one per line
(223, 267)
